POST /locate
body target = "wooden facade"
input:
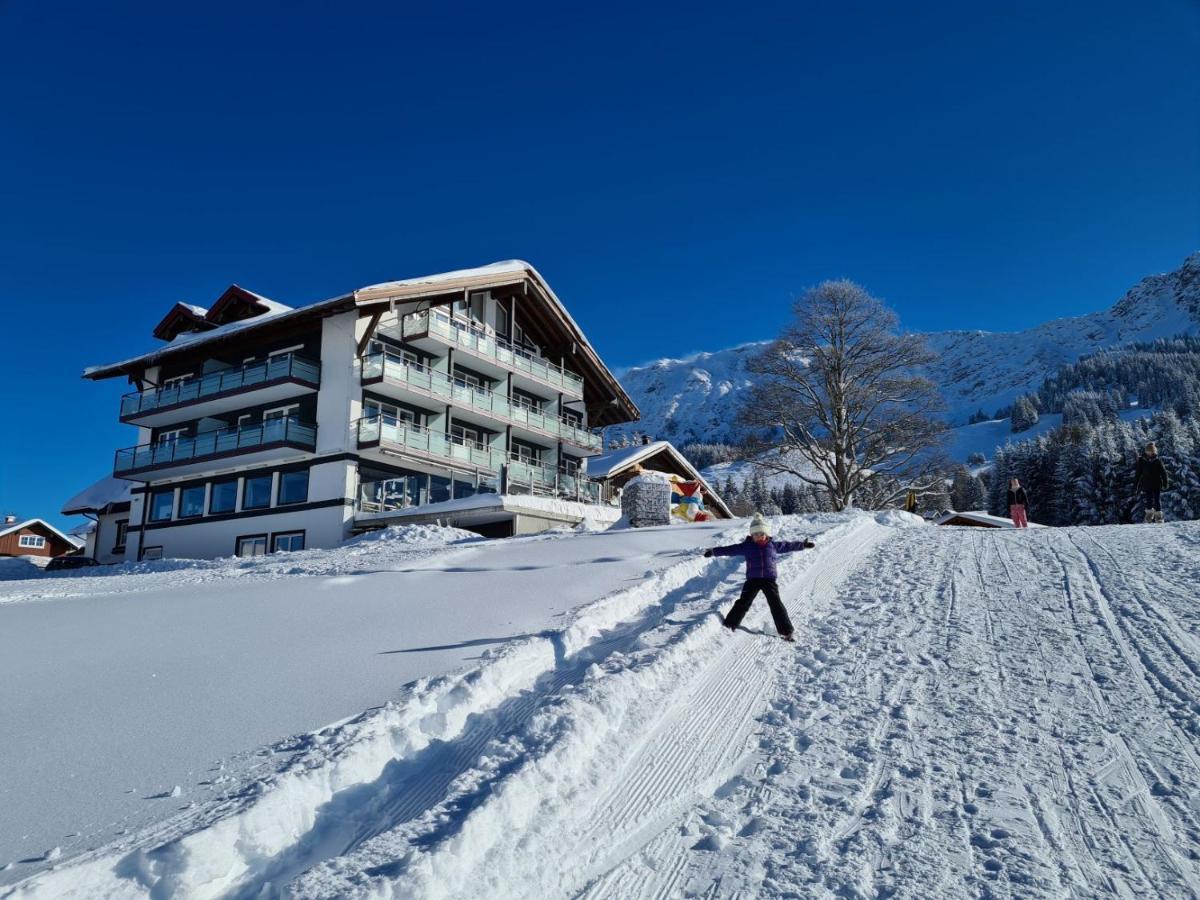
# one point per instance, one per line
(53, 542)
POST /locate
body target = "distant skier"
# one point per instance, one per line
(1017, 501)
(760, 553)
(1151, 481)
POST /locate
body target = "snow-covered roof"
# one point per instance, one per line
(97, 497)
(983, 519)
(607, 465)
(194, 338)
(9, 529)
(504, 267)
(276, 310)
(198, 310)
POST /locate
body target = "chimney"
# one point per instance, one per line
(645, 440)
(10, 519)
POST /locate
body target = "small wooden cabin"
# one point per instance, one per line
(33, 537)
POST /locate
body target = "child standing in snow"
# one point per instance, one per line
(760, 553)
(1017, 502)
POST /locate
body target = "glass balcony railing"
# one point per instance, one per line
(528, 476)
(438, 385)
(226, 441)
(525, 476)
(470, 336)
(276, 368)
(424, 442)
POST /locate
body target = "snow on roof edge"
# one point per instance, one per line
(9, 529)
(97, 496)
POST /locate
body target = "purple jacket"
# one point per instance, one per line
(760, 561)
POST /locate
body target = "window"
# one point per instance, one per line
(224, 497)
(32, 541)
(527, 453)
(257, 492)
(529, 401)
(573, 417)
(293, 487)
(122, 530)
(287, 542)
(439, 489)
(474, 382)
(479, 306)
(502, 319)
(152, 552)
(191, 502)
(175, 379)
(391, 415)
(169, 437)
(464, 435)
(162, 505)
(252, 545)
(282, 412)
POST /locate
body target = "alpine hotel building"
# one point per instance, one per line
(263, 428)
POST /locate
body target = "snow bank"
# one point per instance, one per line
(271, 815)
(216, 859)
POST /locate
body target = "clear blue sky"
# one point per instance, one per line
(678, 174)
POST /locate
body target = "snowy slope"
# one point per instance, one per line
(696, 399)
(966, 713)
(133, 679)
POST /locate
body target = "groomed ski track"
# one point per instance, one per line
(966, 713)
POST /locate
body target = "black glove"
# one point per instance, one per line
(708, 553)
(808, 544)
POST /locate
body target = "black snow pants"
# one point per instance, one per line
(749, 591)
(1153, 498)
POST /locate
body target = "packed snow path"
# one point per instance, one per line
(967, 713)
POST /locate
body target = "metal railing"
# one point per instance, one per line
(470, 336)
(522, 474)
(286, 429)
(438, 385)
(526, 476)
(423, 442)
(284, 365)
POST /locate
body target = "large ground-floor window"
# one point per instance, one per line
(383, 491)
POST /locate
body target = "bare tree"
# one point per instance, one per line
(841, 402)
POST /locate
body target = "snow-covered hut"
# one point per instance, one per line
(615, 468)
(978, 520)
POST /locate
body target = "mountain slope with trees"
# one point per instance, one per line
(697, 399)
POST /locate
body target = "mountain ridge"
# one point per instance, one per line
(697, 398)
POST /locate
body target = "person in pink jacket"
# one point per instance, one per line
(1017, 502)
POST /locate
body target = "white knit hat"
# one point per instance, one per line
(758, 525)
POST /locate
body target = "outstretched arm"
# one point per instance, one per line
(730, 550)
(792, 546)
